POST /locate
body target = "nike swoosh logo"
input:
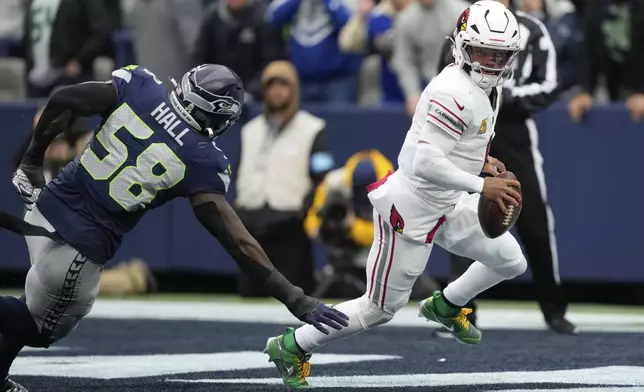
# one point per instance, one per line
(289, 370)
(460, 107)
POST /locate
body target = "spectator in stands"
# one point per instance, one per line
(370, 30)
(235, 33)
(420, 31)
(341, 217)
(11, 26)
(62, 40)
(536, 8)
(614, 48)
(327, 75)
(164, 31)
(283, 158)
(567, 36)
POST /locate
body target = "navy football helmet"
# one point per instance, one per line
(209, 98)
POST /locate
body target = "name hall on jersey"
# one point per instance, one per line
(168, 120)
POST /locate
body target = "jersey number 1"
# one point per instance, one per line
(133, 187)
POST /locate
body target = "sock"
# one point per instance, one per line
(17, 324)
(291, 344)
(478, 278)
(362, 315)
(445, 308)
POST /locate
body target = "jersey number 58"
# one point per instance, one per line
(132, 187)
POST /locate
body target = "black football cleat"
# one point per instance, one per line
(12, 386)
(562, 326)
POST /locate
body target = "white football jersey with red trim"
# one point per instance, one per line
(457, 106)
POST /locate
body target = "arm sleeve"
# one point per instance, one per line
(403, 59)
(541, 93)
(207, 175)
(281, 12)
(353, 36)
(450, 112)
(85, 99)
(339, 13)
(431, 164)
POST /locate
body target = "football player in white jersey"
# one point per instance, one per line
(433, 197)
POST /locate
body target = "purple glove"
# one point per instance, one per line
(323, 314)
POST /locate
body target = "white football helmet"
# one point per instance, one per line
(486, 42)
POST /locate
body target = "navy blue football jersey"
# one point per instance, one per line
(141, 156)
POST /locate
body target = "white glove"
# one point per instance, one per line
(28, 181)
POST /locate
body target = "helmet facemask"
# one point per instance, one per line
(489, 66)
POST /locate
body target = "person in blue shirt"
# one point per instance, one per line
(152, 146)
(327, 74)
(369, 31)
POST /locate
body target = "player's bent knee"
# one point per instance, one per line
(514, 268)
(372, 315)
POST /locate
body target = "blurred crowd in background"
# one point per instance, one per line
(370, 52)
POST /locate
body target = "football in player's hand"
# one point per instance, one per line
(493, 221)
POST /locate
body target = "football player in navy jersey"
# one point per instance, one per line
(153, 145)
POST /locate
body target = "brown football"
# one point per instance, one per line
(493, 222)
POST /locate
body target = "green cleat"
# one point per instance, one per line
(456, 322)
(292, 364)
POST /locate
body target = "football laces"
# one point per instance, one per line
(509, 215)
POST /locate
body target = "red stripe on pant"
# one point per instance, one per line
(375, 264)
(431, 234)
(391, 262)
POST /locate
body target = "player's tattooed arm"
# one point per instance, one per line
(85, 99)
(218, 217)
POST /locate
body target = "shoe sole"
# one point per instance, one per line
(437, 321)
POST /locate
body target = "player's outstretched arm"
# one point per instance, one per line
(217, 216)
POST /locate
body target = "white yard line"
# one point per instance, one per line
(277, 314)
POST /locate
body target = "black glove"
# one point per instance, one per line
(303, 307)
(318, 314)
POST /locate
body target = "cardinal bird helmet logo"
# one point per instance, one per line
(396, 221)
(461, 24)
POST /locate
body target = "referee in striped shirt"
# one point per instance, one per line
(532, 89)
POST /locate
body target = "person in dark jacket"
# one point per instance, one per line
(234, 33)
(533, 89)
(614, 48)
(61, 40)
